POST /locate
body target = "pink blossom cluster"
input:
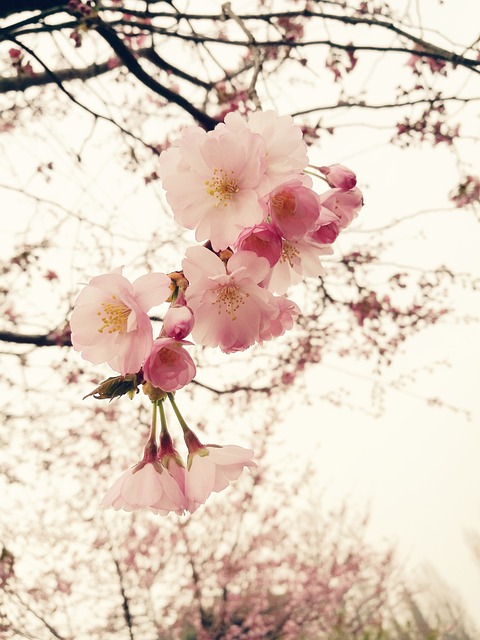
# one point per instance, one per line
(161, 483)
(245, 189)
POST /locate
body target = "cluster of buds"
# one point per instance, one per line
(245, 189)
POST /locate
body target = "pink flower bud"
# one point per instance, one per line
(326, 234)
(339, 176)
(264, 240)
(294, 209)
(178, 322)
(169, 367)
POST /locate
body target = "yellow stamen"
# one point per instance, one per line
(222, 186)
(114, 316)
(229, 299)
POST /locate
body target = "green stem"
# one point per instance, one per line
(163, 419)
(182, 422)
(153, 428)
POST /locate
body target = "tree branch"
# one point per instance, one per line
(132, 64)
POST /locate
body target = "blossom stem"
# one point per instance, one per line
(182, 422)
(153, 428)
(315, 175)
(191, 440)
(163, 419)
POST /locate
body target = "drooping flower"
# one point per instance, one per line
(110, 323)
(211, 182)
(294, 209)
(146, 485)
(168, 366)
(286, 152)
(230, 307)
(264, 240)
(211, 468)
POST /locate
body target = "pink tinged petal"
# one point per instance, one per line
(199, 262)
(226, 474)
(143, 488)
(151, 289)
(199, 480)
(229, 454)
(172, 498)
(113, 495)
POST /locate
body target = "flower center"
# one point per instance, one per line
(229, 299)
(114, 316)
(283, 204)
(222, 186)
(289, 253)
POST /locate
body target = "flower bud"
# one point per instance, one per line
(339, 176)
(178, 322)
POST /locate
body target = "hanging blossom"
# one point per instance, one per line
(161, 483)
(246, 190)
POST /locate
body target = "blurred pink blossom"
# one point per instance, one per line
(168, 366)
(110, 323)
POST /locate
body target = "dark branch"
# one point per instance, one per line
(38, 340)
(9, 7)
(130, 61)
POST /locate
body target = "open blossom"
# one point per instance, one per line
(110, 323)
(230, 307)
(211, 182)
(146, 485)
(299, 258)
(168, 365)
(212, 468)
(285, 150)
(294, 209)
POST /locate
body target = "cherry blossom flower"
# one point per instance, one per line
(168, 366)
(338, 209)
(339, 176)
(178, 321)
(264, 240)
(211, 468)
(230, 307)
(288, 311)
(110, 323)
(286, 152)
(147, 484)
(222, 170)
(299, 258)
(294, 209)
